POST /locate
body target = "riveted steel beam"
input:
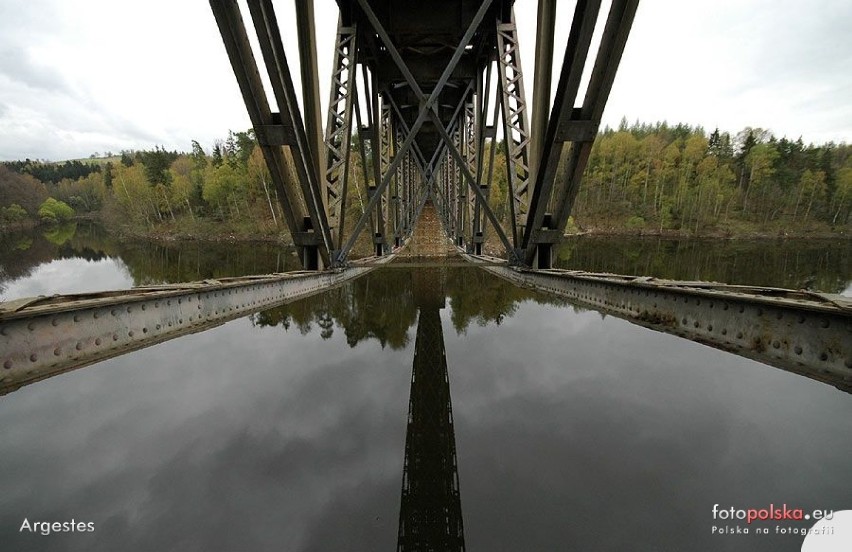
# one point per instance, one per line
(45, 336)
(806, 333)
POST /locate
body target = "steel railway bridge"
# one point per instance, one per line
(427, 86)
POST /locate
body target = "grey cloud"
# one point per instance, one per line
(18, 66)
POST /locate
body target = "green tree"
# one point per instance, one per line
(812, 187)
(13, 213)
(842, 195)
(54, 211)
(760, 162)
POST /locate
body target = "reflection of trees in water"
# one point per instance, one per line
(477, 296)
(381, 305)
(153, 263)
(146, 262)
(822, 265)
(377, 306)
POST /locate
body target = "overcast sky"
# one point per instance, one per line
(100, 75)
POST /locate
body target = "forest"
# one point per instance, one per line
(679, 178)
(641, 179)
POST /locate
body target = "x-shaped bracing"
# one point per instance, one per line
(426, 111)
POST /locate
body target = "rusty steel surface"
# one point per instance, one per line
(45, 336)
(803, 332)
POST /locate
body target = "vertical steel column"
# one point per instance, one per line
(515, 125)
(444, 195)
(411, 179)
(484, 130)
(459, 196)
(614, 38)
(471, 129)
(387, 135)
(338, 130)
(316, 233)
(374, 117)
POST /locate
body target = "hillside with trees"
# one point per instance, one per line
(640, 179)
(678, 179)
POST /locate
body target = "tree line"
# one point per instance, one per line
(640, 177)
(656, 176)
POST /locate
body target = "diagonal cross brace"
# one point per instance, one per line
(426, 109)
(428, 102)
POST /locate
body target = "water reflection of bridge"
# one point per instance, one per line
(430, 513)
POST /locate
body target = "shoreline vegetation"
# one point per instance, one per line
(642, 179)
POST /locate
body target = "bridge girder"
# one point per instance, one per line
(413, 63)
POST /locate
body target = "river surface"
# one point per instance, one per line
(530, 423)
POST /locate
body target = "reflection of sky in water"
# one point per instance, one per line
(573, 430)
(69, 276)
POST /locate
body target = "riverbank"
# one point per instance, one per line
(184, 228)
(201, 229)
(714, 235)
(731, 231)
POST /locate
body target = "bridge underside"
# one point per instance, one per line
(423, 92)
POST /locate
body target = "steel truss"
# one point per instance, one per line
(515, 125)
(338, 133)
(427, 111)
(397, 176)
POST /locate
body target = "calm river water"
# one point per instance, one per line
(288, 429)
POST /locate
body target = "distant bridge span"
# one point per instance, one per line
(427, 84)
